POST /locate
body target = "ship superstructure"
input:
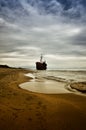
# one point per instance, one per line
(42, 65)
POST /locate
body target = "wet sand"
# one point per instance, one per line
(24, 110)
(80, 86)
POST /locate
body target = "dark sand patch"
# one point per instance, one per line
(80, 86)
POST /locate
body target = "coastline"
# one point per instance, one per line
(23, 110)
(80, 86)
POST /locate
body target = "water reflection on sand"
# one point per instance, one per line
(52, 82)
(45, 86)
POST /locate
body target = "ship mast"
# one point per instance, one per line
(41, 58)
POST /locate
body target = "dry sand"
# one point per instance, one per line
(24, 110)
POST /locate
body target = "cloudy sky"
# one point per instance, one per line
(54, 28)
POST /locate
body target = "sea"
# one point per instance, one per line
(62, 75)
(53, 81)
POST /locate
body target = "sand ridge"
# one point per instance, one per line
(24, 110)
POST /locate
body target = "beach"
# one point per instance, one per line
(25, 110)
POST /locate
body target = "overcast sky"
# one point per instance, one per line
(54, 28)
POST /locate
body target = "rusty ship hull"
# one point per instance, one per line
(41, 66)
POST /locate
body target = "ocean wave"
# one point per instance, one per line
(56, 78)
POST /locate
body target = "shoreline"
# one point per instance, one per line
(22, 110)
(60, 85)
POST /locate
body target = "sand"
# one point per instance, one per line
(80, 86)
(24, 110)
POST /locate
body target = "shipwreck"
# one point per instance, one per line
(41, 65)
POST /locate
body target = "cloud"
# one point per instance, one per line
(54, 28)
